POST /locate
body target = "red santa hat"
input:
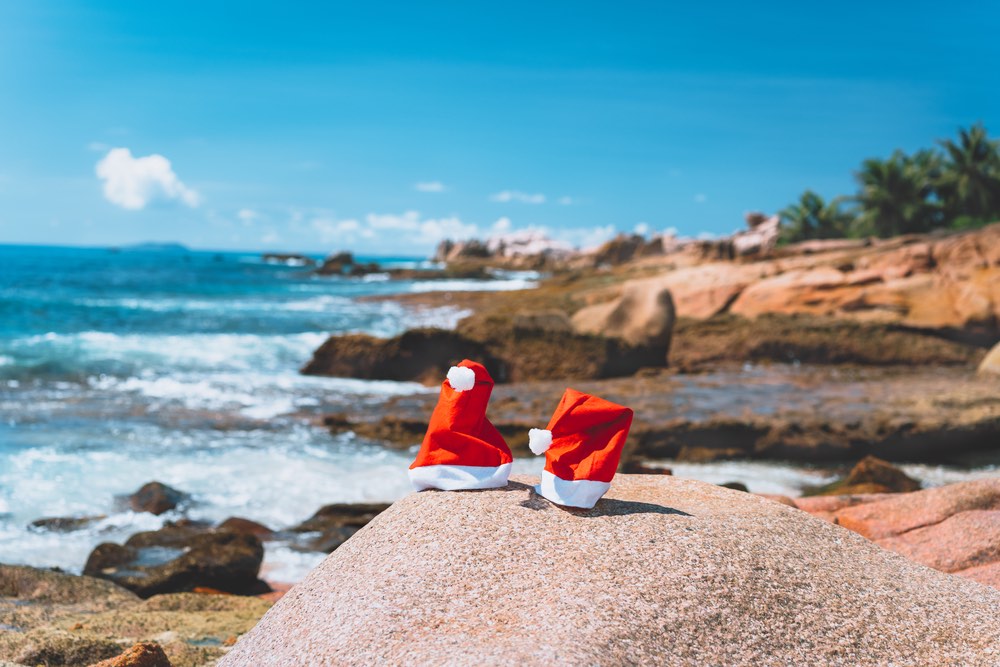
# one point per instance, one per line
(582, 446)
(462, 449)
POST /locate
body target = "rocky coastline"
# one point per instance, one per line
(736, 349)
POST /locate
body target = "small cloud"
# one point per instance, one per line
(501, 226)
(565, 201)
(132, 183)
(98, 147)
(331, 230)
(248, 216)
(641, 228)
(700, 198)
(707, 236)
(517, 196)
(430, 186)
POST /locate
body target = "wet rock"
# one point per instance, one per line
(66, 524)
(698, 345)
(990, 364)
(653, 563)
(642, 316)
(332, 525)
(735, 486)
(534, 347)
(178, 558)
(240, 525)
(870, 475)
(418, 355)
(143, 654)
(336, 264)
(157, 498)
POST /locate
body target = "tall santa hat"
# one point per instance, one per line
(462, 449)
(582, 446)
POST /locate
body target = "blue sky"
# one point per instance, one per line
(383, 127)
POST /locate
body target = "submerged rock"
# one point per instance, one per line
(662, 571)
(66, 524)
(181, 558)
(157, 498)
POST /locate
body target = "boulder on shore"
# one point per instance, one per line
(643, 315)
(156, 498)
(662, 571)
(180, 558)
(870, 475)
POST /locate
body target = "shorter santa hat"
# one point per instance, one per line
(582, 446)
(462, 449)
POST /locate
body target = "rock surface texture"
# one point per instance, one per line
(663, 571)
(990, 365)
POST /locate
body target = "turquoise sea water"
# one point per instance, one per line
(119, 367)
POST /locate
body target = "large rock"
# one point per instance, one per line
(871, 475)
(181, 558)
(156, 498)
(663, 571)
(143, 654)
(421, 355)
(642, 315)
(332, 525)
(990, 365)
(954, 528)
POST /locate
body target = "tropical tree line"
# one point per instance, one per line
(955, 185)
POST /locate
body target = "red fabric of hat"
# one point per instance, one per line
(462, 449)
(583, 445)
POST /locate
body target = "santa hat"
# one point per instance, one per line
(462, 449)
(582, 446)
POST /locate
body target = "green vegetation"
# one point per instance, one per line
(954, 187)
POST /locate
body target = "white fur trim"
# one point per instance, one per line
(459, 478)
(461, 378)
(573, 493)
(539, 440)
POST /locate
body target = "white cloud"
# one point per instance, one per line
(700, 198)
(132, 183)
(565, 201)
(430, 186)
(247, 216)
(518, 196)
(641, 228)
(331, 230)
(501, 226)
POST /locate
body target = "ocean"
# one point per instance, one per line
(119, 367)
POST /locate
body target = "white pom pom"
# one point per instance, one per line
(461, 378)
(539, 440)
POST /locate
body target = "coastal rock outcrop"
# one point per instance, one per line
(646, 577)
(332, 525)
(143, 654)
(954, 528)
(642, 316)
(181, 558)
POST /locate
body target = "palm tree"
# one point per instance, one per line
(969, 183)
(897, 195)
(813, 218)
